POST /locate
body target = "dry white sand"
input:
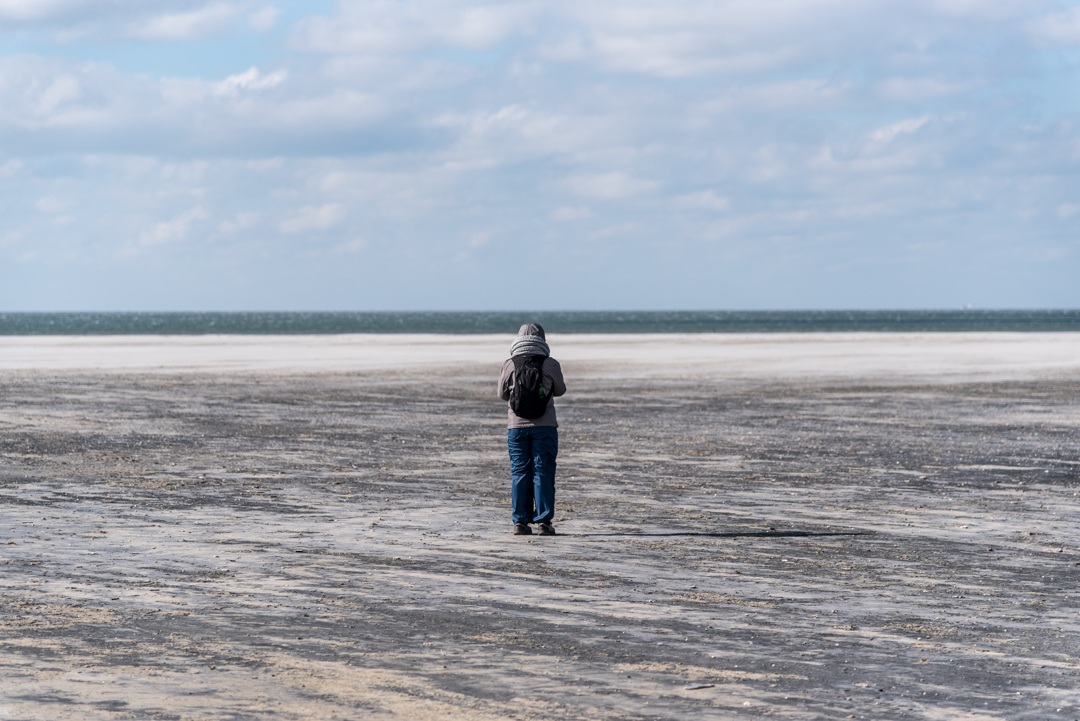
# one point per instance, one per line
(907, 356)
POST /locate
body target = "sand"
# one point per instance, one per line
(843, 356)
(809, 526)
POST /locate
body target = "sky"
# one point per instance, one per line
(564, 154)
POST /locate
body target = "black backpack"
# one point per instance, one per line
(528, 397)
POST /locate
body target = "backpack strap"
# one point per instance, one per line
(520, 360)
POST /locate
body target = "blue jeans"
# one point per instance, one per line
(532, 468)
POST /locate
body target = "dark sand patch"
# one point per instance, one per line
(337, 546)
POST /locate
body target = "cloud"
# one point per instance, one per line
(1000, 11)
(703, 200)
(171, 230)
(1057, 28)
(385, 27)
(191, 25)
(771, 96)
(609, 186)
(892, 131)
(31, 11)
(350, 247)
(687, 38)
(250, 79)
(479, 240)
(62, 89)
(698, 37)
(241, 221)
(264, 19)
(566, 214)
(10, 168)
(52, 205)
(9, 239)
(917, 90)
(314, 219)
(49, 105)
(415, 92)
(162, 20)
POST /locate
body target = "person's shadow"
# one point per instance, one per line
(730, 534)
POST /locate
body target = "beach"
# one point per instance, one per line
(803, 526)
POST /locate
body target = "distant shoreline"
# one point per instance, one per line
(562, 322)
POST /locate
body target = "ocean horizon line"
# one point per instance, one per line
(17, 323)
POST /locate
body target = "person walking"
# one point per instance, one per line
(529, 380)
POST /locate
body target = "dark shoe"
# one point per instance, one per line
(545, 529)
(522, 529)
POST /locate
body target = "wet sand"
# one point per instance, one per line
(812, 527)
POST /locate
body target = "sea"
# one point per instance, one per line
(463, 323)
